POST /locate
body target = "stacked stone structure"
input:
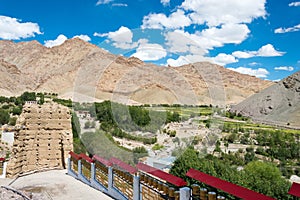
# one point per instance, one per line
(43, 140)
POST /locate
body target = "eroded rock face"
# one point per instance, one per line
(278, 104)
(43, 139)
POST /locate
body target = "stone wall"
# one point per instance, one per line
(43, 140)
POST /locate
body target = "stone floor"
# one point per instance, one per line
(54, 185)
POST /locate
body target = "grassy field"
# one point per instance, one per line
(185, 112)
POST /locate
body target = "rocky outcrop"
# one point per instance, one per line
(43, 139)
(277, 104)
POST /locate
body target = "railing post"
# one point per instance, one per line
(110, 179)
(185, 193)
(93, 172)
(136, 187)
(79, 168)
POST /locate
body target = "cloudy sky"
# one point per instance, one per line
(256, 37)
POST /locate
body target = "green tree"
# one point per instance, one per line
(188, 159)
(28, 96)
(265, 178)
(87, 124)
(17, 110)
(12, 121)
(4, 117)
(75, 125)
(42, 99)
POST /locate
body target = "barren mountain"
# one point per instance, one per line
(85, 72)
(277, 104)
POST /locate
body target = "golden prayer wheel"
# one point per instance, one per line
(160, 186)
(171, 192)
(203, 193)
(195, 190)
(165, 189)
(142, 176)
(155, 183)
(212, 196)
(177, 195)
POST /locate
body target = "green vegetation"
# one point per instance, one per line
(64, 102)
(259, 176)
(4, 117)
(78, 145)
(102, 144)
(157, 147)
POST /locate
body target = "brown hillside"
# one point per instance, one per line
(85, 72)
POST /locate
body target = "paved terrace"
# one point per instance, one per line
(55, 185)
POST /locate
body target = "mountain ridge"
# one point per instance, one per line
(79, 68)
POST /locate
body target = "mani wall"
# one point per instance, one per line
(43, 138)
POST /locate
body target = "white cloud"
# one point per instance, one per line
(220, 59)
(122, 38)
(223, 59)
(265, 51)
(228, 33)
(200, 43)
(165, 2)
(294, 4)
(15, 29)
(216, 12)
(58, 41)
(179, 41)
(100, 2)
(254, 64)
(243, 54)
(286, 30)
(260, 72)
(150, 52)
(120, 4)
(285, 68)
(176, 20)
(83, 37)
(268, 51)
(181, 60)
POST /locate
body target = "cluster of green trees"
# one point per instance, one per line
(259, 176)
(64, 102)
(78, 145)
(13, 106)
(118, 119)
(269, 142)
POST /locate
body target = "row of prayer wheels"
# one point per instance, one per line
(124, 175)
(160, 187)
(202, 194)
(101, 167)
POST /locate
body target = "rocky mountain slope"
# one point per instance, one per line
(277, 104)
(85, 72)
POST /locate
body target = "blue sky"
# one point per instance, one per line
(256, 37)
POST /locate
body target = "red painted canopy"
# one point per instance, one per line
(179, 182)
(295, 190)
(74, 155)
(123, 165)
(86, 158)
(102, 160)
(226, 186)
(2, 159)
